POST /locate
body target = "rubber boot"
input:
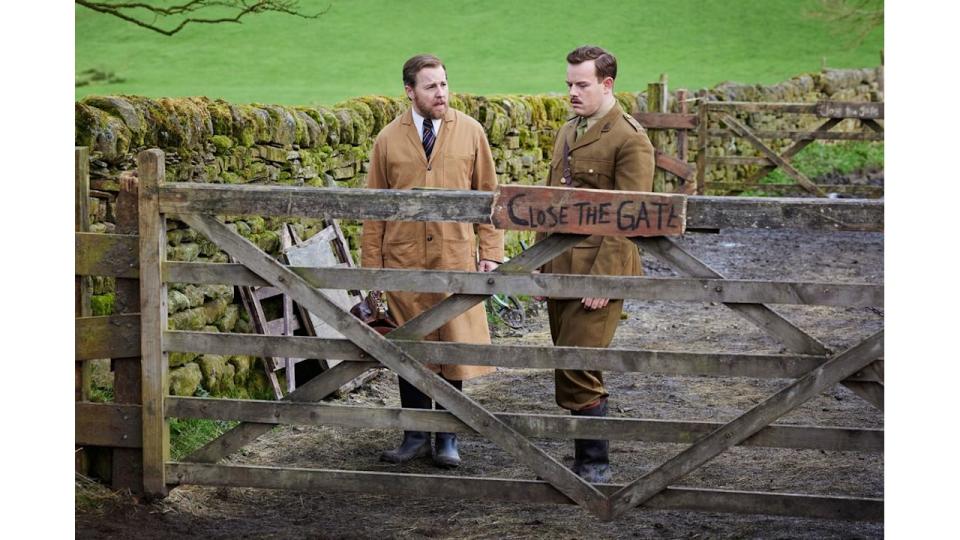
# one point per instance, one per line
(592, 457)
(415, 444)
(446, 454)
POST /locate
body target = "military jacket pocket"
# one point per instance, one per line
(592, 173)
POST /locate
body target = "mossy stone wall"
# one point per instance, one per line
(213, 141)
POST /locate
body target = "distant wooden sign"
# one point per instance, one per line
(589, 211)
(839, 109)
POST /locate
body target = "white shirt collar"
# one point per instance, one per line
(418, 121)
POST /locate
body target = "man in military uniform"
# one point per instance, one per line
(602, 147)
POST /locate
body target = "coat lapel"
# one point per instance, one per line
(446, 132)
(410, 128)
(592, 135)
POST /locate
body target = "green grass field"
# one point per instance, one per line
(489, 47)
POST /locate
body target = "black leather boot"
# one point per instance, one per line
(591, 457)
(446, 454)
(415, 443)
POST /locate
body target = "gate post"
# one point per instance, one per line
(127, 462)
(658, 102)
(82, 288)
(153, 322)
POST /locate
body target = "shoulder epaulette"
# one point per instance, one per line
(633, 122)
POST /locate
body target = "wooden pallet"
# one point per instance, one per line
(328, 248)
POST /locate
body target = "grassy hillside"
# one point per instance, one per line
(490, 46)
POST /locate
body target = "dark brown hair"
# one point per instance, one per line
(413, 66)
(605, 62)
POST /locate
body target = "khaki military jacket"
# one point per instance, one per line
(460, 160)
(614, 153)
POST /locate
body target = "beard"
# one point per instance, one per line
(429, 109)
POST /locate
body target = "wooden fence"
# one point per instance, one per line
(694, 179)
(136, 424)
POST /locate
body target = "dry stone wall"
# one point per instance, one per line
(212, 141)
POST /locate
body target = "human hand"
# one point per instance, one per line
(486, 265)
(591, 304)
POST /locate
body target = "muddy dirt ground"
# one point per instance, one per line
(193, 511)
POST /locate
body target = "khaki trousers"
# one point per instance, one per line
(574, 326)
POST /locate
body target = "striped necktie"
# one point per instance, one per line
(428, 138)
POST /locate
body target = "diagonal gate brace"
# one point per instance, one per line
(328, 382)
(833, 371)
(765, 318)
(392, 356)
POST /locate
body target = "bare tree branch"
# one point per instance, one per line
(128, 11)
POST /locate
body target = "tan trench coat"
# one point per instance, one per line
(614, 153)
(461, 160)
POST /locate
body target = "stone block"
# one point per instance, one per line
(242, 366)
(184, 252)
(188, 319)
(185, 380)
(214, 310)
(213, 367)
(177, 301)
(228, 320)
(176, 359)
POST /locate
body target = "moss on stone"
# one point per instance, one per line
(214, 367)
(101, 304)
(103, 284)
(221, 116)
(188, 121)
(184, 252)
(383, 109)
(627, 101)
(125, 111)
(185, 380)
(181, 358)
(194, 294)
(222, 143)
(107, 136)
(177, 301)
(188, 319)
(557, 108)
(322, 124)
(282, 125)
(347, 124)
(362, 118)
(538, 112)
(241, 365)
(268, 241)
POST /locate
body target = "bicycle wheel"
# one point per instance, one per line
(512, 313)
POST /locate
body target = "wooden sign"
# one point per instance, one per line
(589, 211)
(839, 109)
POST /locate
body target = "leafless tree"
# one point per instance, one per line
(154, 17)
(860, 16)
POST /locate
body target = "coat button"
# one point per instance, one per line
(429, 238)
(591, 170)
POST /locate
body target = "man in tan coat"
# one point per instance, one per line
(432, 146)
(601, 147)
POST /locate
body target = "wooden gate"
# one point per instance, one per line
(814, 368)
(833, 113)
(704, 123)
